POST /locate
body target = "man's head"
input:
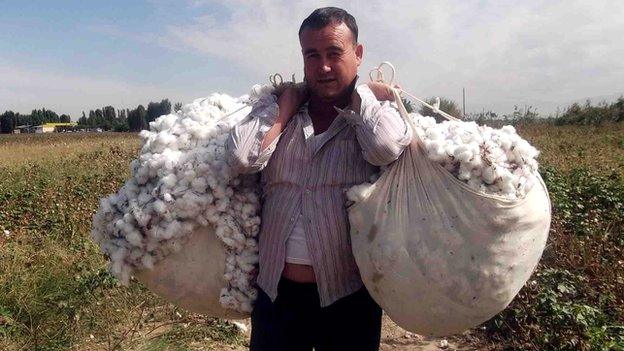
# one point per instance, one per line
(331, 53)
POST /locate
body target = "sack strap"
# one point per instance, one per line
(398, 91)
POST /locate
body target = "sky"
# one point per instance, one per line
(73, 56)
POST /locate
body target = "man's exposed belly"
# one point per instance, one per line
(299, 273)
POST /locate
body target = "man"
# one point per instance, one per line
(310, 150)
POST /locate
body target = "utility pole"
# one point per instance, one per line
(464, 100)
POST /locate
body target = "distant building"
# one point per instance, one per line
(53, 127)
(22, 129)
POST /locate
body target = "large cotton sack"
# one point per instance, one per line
(439, 257)
(192, 278)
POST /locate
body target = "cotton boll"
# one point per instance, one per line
(169, 181)
(464, 173)
(449, 149)
(509, 129)
(160, 206)
(222, 204)
(119, 224)
(199, 184)
(464, 156)
(506, 186)
(435, 134)
(489, 174)
(506, 143)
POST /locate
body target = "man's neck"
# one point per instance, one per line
(325, 108)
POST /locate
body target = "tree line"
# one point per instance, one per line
(575, 114)
(107, 118)
(127, 120)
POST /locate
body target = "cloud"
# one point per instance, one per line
(545, 54)
(24, 89)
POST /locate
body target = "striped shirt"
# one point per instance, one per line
(307, 175)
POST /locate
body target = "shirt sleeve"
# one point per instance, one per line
(245, 139)
(380, 130)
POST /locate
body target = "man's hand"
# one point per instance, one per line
(290, 97)
(382, 91)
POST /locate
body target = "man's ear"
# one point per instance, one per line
(359, 51)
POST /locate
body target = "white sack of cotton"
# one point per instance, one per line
(184, 223)
(452, 230)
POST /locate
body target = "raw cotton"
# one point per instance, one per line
(438, 255)
(181, 182)
(494, 161)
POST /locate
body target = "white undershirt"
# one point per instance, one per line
(296, 245)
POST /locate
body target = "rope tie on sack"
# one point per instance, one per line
(379, 77)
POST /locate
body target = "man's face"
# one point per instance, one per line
(330, 60)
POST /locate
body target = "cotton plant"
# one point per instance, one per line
(181, 181)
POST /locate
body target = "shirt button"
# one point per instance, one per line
(308, 191)
(292, 219)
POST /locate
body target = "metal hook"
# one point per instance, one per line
(273, 79)
(380, 74)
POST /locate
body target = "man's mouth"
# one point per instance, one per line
(325, 81)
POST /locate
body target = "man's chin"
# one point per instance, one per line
(328, 95)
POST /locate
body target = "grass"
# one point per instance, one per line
(55, 292)
(599, 148)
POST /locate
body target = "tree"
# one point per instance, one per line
(447, 105)
(142, 116)
(16, 120)
(64, 118)
(136, 119)
(99, 118)
(91, 120)
(109, 117)
(121, 122)
(157, 109)
(617, 110)
(409, 107)
(82, 121)
(153, 111)
(36, 117)
(177, 107)
(6, 122)
(165, 107)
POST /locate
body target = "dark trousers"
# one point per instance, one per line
(296, 322)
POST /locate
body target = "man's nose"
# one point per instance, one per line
(325, 67)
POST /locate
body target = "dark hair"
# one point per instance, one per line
(330, 15)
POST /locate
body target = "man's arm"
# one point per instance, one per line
(380, 130)
(252, 142)
(289, 101)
